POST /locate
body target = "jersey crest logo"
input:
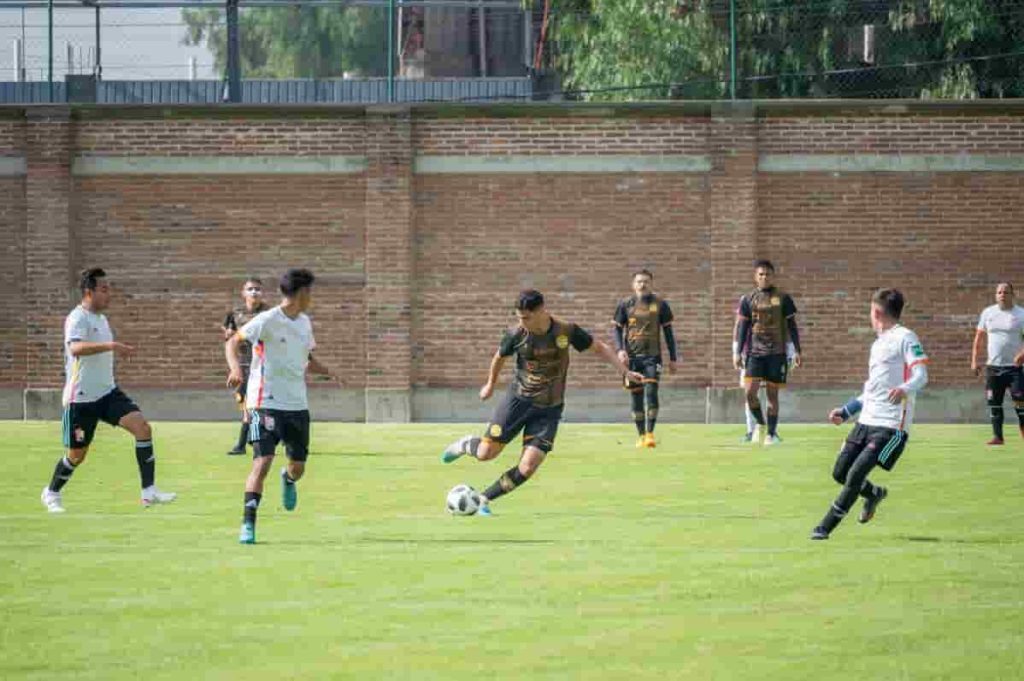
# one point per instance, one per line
(562, 342)
(494, 430)
(79, 434)
(917, 350)
(653, 307)
(776, 300)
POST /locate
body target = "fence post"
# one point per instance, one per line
(732, 49)
(391, 50)
(234, 56)
(49, 51)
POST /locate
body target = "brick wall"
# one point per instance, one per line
(418, 269)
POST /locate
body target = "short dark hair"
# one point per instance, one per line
(1008, 285)
(645, 272)
(767, 264)
(529, 299)
(253, 280)
(295, 280)
(87, 279)
(890, 300)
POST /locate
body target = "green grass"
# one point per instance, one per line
(689, 561)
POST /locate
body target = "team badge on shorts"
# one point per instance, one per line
(495, 430)
(562, 342)
(268, 421)
(653, 307)
(79, 434)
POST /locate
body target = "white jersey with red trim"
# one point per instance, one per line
(894, 354)
(280, 353)
(90, 377)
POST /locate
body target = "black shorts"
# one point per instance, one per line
(998, 379)
(514, 414)
(647, 365)
(268, 427)
(80, 418)
(769, 368)
(887, 443)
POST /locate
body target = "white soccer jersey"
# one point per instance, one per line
(280, 353)
(893, 355)
(1005, 330)
(87, 379)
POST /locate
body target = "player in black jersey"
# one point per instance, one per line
(252, 295)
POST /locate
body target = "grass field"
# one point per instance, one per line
(689, 561)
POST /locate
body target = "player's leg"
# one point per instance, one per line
(747, 414)
(776, 379)
(125, 414)
(539, 433)
(263, 436)
(296, 440)
(508, 419)
(860, 454)
(753, 378)
(1017, 395)
(995, 390)
(636, 399)
(78, 424)
(652, 372)
(243, 433)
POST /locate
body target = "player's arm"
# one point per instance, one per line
(619, 327)
(789, 310)
(666, 318)
(980, 339)
(848, 410)
(315, 366)
(605, 352)
(497, 362)
(741, 331)
(917, 362)
(231, 348)
(80, 348)
(230, 327)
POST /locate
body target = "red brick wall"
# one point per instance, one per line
(418, 271)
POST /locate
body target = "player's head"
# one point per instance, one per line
(530, 311)
(1004, 294)
(764, 273)
(297, 287)
(643, 282)
(95, 288)
(886, 308)
(252, 292)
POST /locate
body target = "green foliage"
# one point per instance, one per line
(296, 42)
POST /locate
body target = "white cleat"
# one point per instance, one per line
(757, 435)
(456, 449)
(52, 501)
(772, 440)
(151, 496)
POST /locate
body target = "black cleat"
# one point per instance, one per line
(870, 505)
(236, 452)
(819, 532)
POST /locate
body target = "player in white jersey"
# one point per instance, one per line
(91, 395)
(897, 370)
(282, 343)
(1001, 328)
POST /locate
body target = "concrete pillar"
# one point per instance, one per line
(48, 246)
(389, 265)
(732, 213)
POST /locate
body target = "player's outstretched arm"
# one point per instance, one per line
(851, 408)
(607, 354)
(497, 362)
(234, 366)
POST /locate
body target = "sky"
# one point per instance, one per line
(136, 44)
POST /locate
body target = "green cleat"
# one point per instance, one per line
(456, 449)
(247, 535)
(289, 495)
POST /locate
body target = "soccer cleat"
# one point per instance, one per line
(247, 535)
(757, 436)
(484, 509)
(152, 496)
(641, 442)
(236, 452)
(747, 439)
(819, 533)
(870, 505)
(456, 449)
(289, 495)
(649, 441)
(772, 440)
(995, 442)
(52, 501)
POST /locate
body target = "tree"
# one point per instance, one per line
(297, 42)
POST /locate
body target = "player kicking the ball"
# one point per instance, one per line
(282, 343)
(534, 402)
(91, 395)
(897, 369)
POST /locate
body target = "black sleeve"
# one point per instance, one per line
(788, 306)
(670, 341)
(794, 335)
(742, 331)
(665, 314)
(745, 310)
(621, 317)
(229, 322)
(620, 340)
(507, 345)
(580, 339)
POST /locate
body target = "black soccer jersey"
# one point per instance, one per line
(542, 361)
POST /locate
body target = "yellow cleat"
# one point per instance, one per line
(641, 442)
(649, 441)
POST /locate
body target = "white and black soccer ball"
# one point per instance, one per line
(462, 500)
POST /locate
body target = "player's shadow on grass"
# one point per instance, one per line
(453, 540)
(352, 455)
(939, 540)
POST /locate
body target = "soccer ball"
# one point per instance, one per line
(462, 500)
